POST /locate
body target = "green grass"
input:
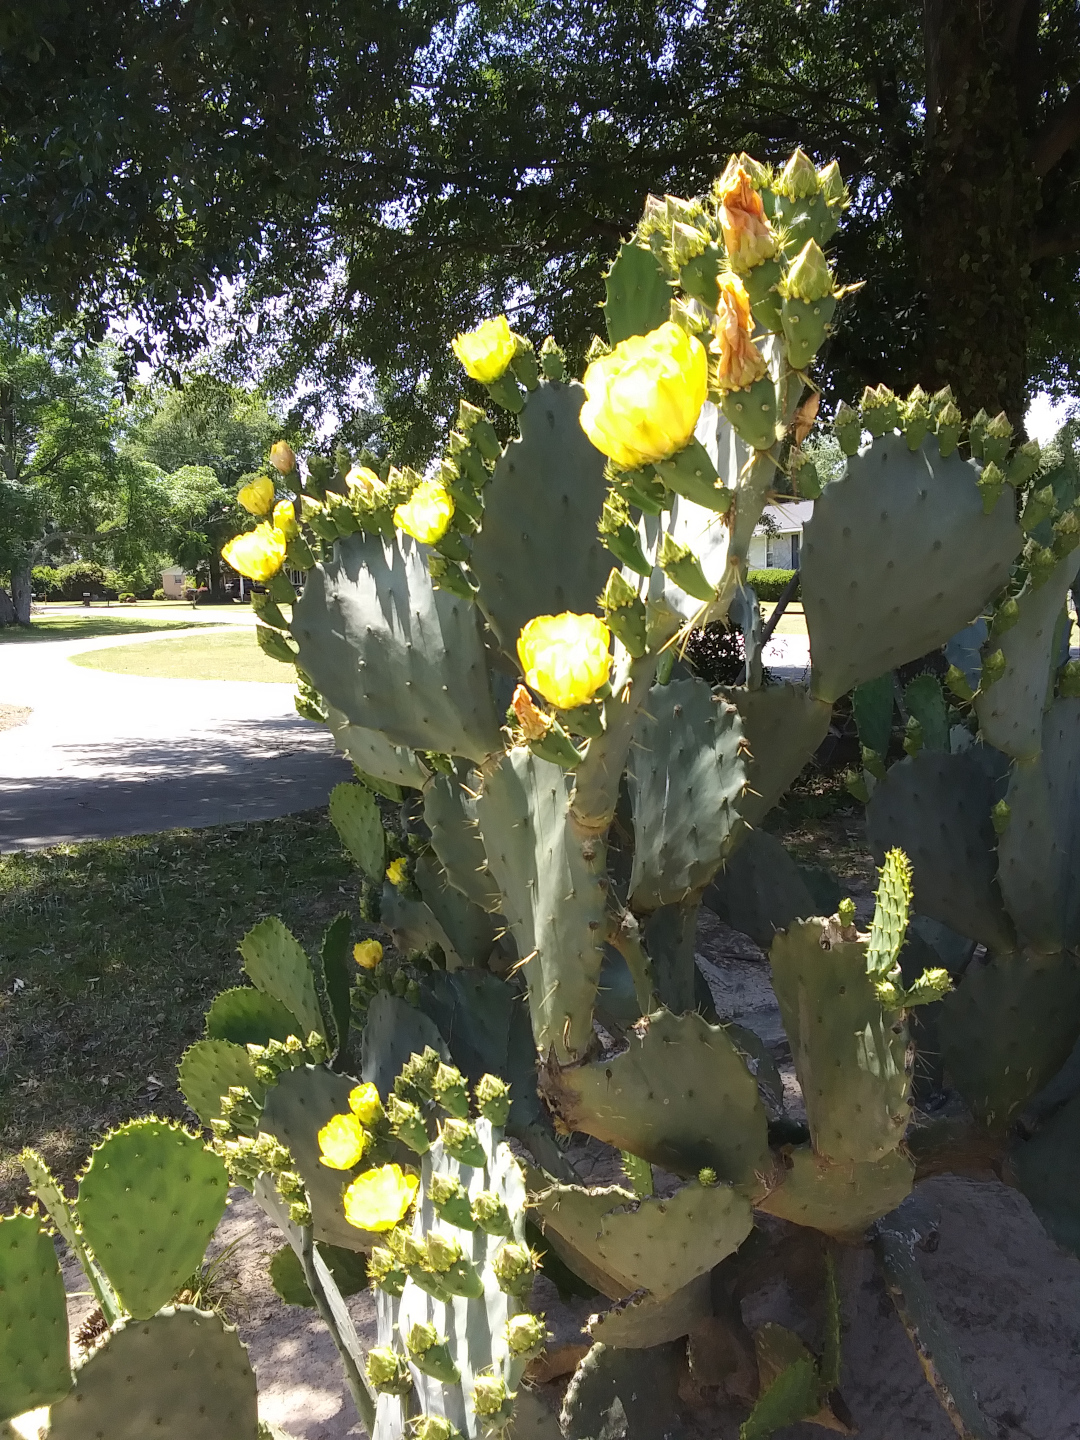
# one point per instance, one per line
(78, 627)
(226, 653)
(111, 951)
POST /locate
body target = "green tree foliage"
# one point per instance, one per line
(375, 177)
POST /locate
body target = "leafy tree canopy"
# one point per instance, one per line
(375, 176)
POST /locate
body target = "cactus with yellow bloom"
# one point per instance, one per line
(547, 791)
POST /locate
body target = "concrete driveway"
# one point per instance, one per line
(104, 754)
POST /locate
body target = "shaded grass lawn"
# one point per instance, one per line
(111, 951)
(89, 627)
(226, 653)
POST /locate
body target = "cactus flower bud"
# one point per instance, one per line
(682, 567)
(880, 410)
(1040, 505)
(993, 667)
(1069, 680)
(686, 243)
(940, 399)
(625, 614)
(514, 1265)
(365, 1104)
(434, 1427)
(486, 352)
(368, 954)
(282, 457)
(566, 658)
(949, 425)
(493, 1098)
(804, 475)
(258, 554)
(460, 1140)
(450, 1201)
(407, 1124)
(365, 485)
(848, 427)
(417, 1074)
(427, 513)
(257, 497)
(525, 1335)
(619, 535)
(1024, 463)
(856, 786)
(285, 519)
(976, 430)
(809, 277)
(799, 179)
(707, 1176)
(832, 184)
(1000, 815)
(388, 1371)
(552, 360)
(997, 437)
(342, 1141)
(448, 1088)
(845, 912)
(741, 362)
(379, 1199)
(644, 398)
(491, 1398)
(1040, 561)
(958, 683)
(385, 1272)
(421, 1337)
(913, 736)
(430, 1354)
(915, 417)
(1066, 534)
(748, 236)
(443, 1251)
(1005, 617)
(490, 1213)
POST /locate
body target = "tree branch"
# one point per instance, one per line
(1054, 243)
(1059, 137)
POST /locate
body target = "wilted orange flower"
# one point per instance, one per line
(534, 723)
(741, 362)
(747, 233)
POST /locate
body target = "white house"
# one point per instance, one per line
(776, 542)
(172, 582)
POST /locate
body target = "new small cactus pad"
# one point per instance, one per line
(277, 964)
(34, 1368)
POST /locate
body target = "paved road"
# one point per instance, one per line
(105, 754)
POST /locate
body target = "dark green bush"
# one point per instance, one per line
(769, 584)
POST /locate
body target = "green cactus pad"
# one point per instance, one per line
(348, 1267)
(394, 1031)
(375, 756)
(661, 1243)
(296, 1109)
(34, 1368)
(925, 702)
(686, 776)
(783, 726)
(638, 295)
(760, 890)
(1048, 1172)
(936, 808)
(553, 886)
(183, 1375)
(642, 1322)
(1039, 850)
(475, 1328)
(849, 1054)
(277, 964)
(872, 703)
(209, 1069)
(355, 816)
(897, 556)
(632, 1393)
(1010, 710)
(839, 1199)
(393, 653)
(469, 928)
(450, 813)
(570, 1217)
(149, 1202)
(246, 1016)
(679, 1096)
(538, 551)
(412, 926)
(475, 1008)
(1007, 1028)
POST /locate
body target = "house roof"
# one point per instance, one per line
(789, 516)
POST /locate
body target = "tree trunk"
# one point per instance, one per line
(21, 584)
(979, 198)
(7, 609)
(214, 568)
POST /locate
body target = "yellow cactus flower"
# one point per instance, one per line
(285, 519)
(741, 362)
(257, 497)
(565, 657)
(379, 1199)
(258, 554)
(341, 1142)
(747, 233)
(486, 352)
(427, 513)
(397, 871)
(365, 1104)
(534, 723)
(370, 487)
(367, 954)
(282, 457)
(644, 399)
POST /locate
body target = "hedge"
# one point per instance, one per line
(769, 584)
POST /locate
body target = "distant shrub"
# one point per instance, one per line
(159, 594)
(126, 599)
(75, 579)
(769, 584)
